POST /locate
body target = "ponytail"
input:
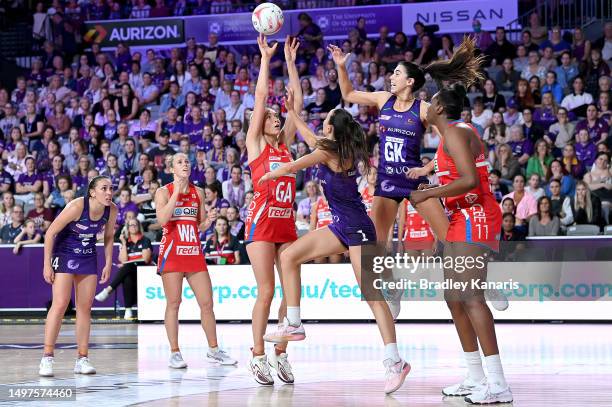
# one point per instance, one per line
(463, 67)
(349, 143)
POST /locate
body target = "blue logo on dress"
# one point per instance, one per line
(274, 166)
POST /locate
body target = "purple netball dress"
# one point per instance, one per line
(401, 134)
(74, 251)
(351, 223)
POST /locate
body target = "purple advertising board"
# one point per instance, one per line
(22, 276)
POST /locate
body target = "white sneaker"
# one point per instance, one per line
(497, 299)
(466, 387)
(260, 369)
(489, 394)
(285, 333)
(128, 314)
(221, 357)
(103, 295)
(395, 375)
(84, 366)
(176, 361)
(280, 363)
(45, 368)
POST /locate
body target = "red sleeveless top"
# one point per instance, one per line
(180, 249)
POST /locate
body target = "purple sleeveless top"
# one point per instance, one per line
(78, 239)
(401, 135)
(343, 197)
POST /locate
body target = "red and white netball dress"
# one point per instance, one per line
(417, 233)
(269, 217)
(475, 216)
(324, 215)
(367, 198)
(181, 249)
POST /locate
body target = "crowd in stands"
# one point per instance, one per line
(544, 115)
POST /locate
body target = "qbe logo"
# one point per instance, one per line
(187, 250)
(274, 166)
(186, 212)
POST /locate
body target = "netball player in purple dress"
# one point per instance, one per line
(70, 259)
(402, 124)
(337, 153)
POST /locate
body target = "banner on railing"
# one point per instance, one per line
(135, 32)
(457, 16)
(450, 16)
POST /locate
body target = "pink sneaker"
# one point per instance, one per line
(286, 333)
(396, 374)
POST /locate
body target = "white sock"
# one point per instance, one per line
(213, 350)
(293, 315)
(474, 365)
(496, 371)
(391, 352)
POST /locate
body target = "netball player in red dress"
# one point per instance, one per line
(180, 211)
(415, 234)
(321, 216)
(474, 229)
(270, 222)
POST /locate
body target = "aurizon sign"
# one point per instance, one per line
(135, 32)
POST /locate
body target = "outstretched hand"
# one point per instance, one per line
(291, 47)
(264, 48)
(338, 56)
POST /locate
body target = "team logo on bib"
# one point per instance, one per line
(471, 198)
(274, 166)
(386, 187)
(73, 265)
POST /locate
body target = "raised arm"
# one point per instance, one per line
(292, 114)
(314, 158)
(348, 93)
(261, 94)
(291, 47)
(165, 203)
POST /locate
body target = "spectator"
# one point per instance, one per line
(545, 223)
(522, 60)
(310, 35)
(512, 116)
(581, 47)
(11, 230)
(539, 163)
(507, 77)
(545, 115)
(481, 38)
(533, 67)
(491, 99)
(466, 116)
(28, 183)
(56, 199)
(510, 232)
(599, 181)
(213, 202)
(568, 183)
(501, 48)
(521, 146)
(603, 106)
(523, 96)
(596, 128)
(236, 226)
(141, 10)
(311, 190)
(592, 69)
(533, 187)
(6, 180)
(235, 188)
(585, 148)
(127, 104)
(531, 130)
(551, 85)
(29, 235)
(556, 42)
(497, 188)
(571, 163)
(566, 72)
(539, 33)
(6, 208)
(124, 206)
(605, 42)
(41, 216)
(525, 204)
(560, 204)
(222, 247)
(561, 132)
(427, 52)
(136, 250)
(506, 163)
(160, 10)
(481, 115)
(577, 101)
(585, 206)
(235, 110)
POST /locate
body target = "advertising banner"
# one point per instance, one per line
(330, 292)
(135, 32)
(457, 16)
(22, 276)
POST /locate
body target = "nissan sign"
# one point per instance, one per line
(134, 32)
